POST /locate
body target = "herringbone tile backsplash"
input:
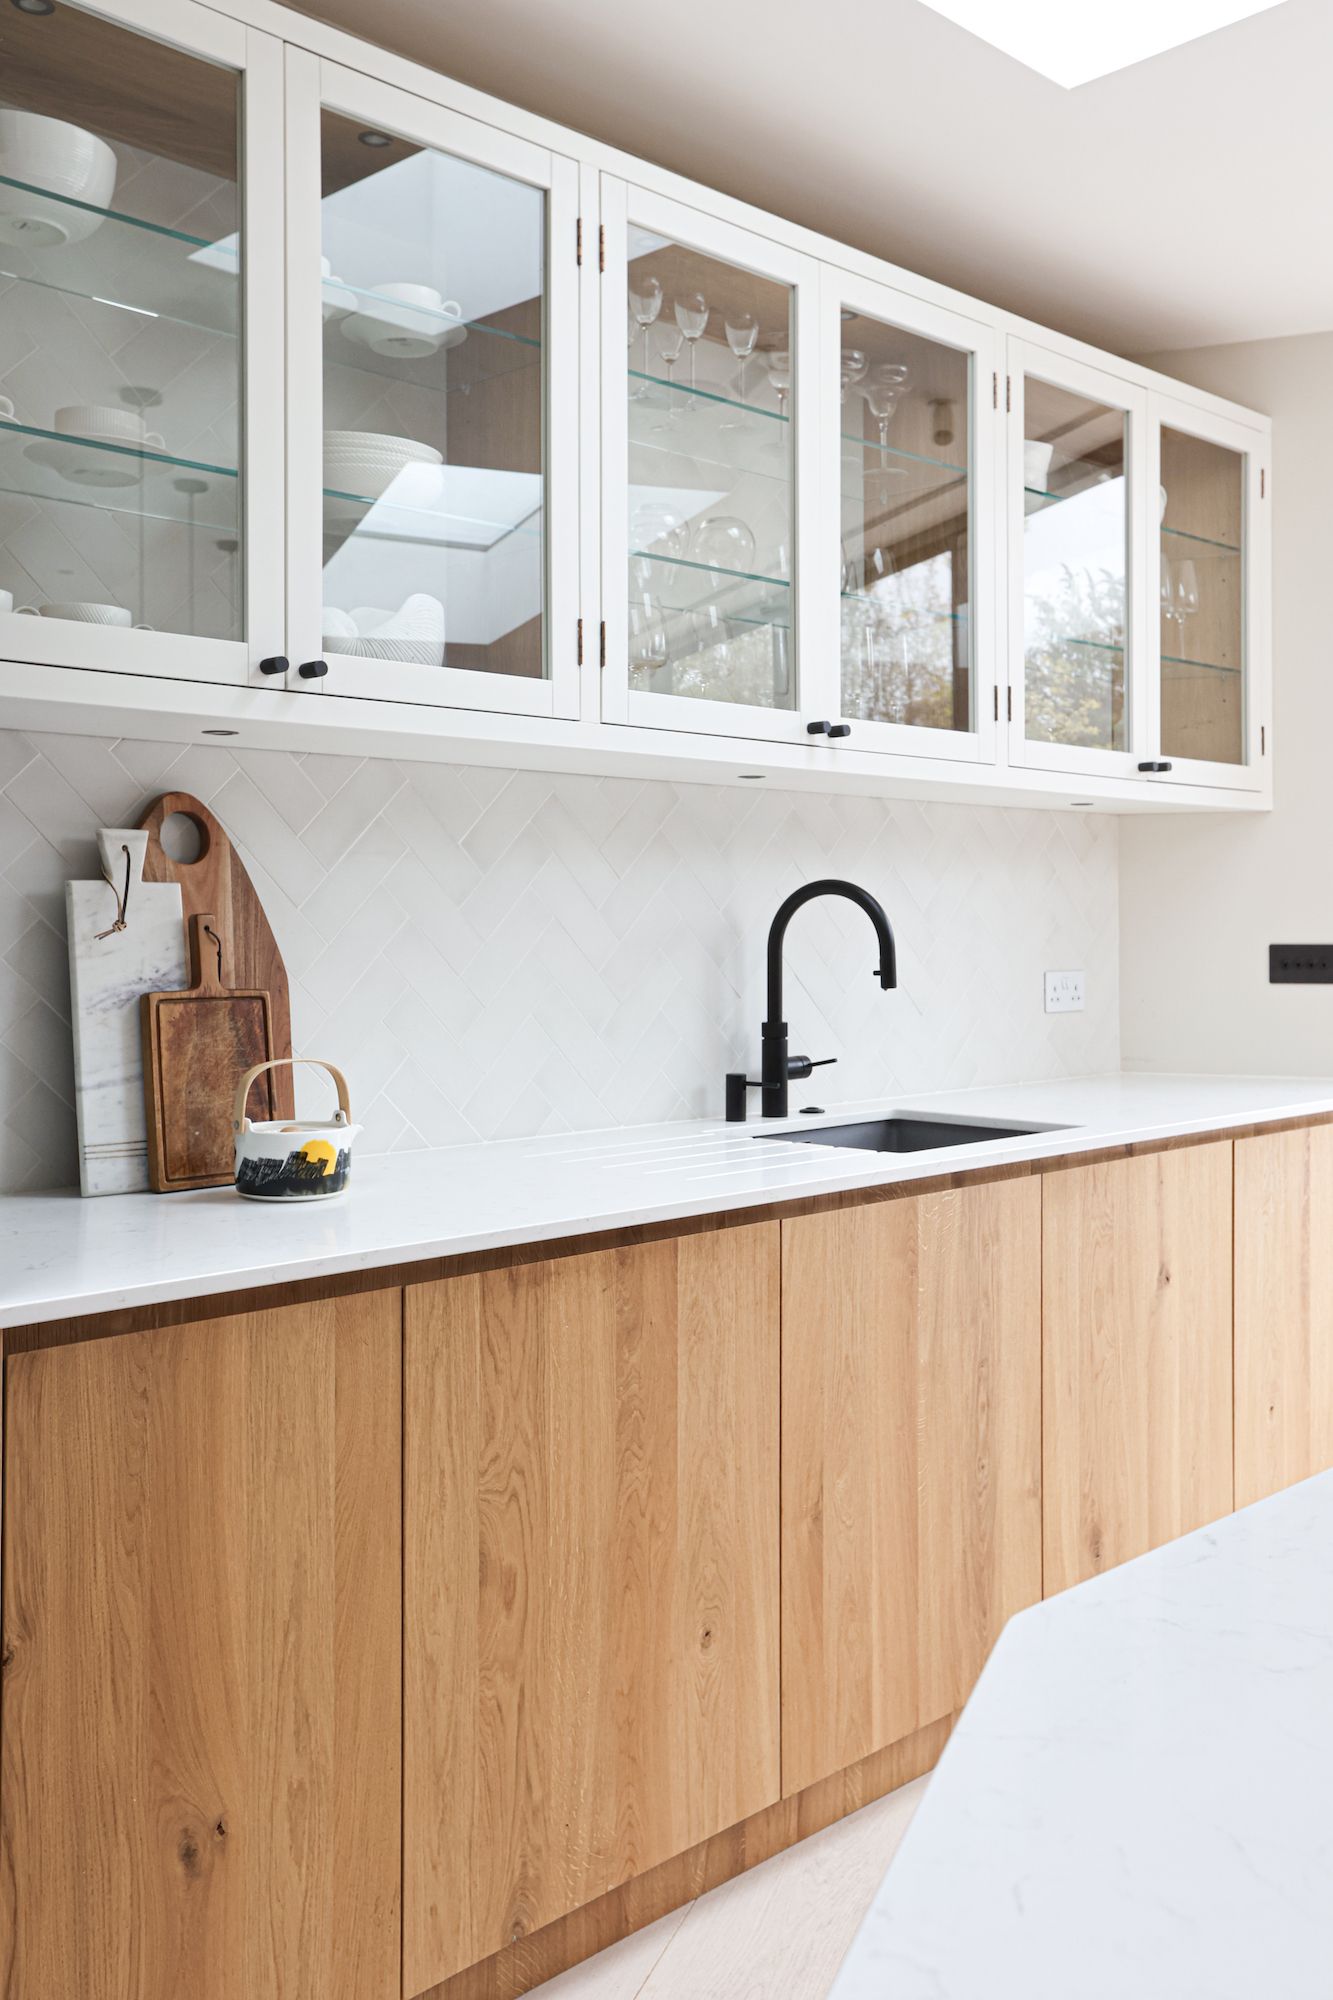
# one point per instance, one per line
(495, 953)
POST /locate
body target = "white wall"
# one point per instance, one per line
(498, 953)
(1202, 899)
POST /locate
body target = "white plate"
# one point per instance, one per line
(98, 468)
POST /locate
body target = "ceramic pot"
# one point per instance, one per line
(293, 1159)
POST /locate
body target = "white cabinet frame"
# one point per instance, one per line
(313, 85)
(816, 690)
(1065, 371)
(978, 340)
(174, 656)
(1256, 605)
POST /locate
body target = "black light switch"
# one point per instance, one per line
(1300, 964)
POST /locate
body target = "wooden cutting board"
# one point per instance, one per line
(198, 1042)
(216, 882)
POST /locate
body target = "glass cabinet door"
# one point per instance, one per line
(907, 540)
(436, 548)
(706, 335)
(1076, 579)
(140, 439)
(1207, 474)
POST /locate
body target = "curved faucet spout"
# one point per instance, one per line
(777, 1069)
(888, 957)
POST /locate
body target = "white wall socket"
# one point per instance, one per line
(1064, 992)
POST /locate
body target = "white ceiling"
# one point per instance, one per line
(1179, 203)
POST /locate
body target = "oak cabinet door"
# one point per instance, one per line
(200, 1783)
(1284, 1309)
(911, 1461)
(1136, 1356)
(591, 1579)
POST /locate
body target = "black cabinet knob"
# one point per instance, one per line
(840, 729)
(279, 664)
(313, 670)
(1157, 765)
(828, 728)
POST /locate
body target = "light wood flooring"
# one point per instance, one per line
(778, 1932)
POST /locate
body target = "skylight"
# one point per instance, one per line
(1073, 41)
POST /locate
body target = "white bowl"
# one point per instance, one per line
(88, 614)
(107, 423)
(406, 322)
(49, 153)
(368, 462)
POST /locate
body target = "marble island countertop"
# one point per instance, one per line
(61, 1255)
(1137, 1803)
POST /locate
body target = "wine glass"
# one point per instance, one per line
(645, 302)
(852, 368)
(883, 390)
(670, 340)
(742, 330)
(692, 317)
(649, 654)
(1186, 595)
(779, 377)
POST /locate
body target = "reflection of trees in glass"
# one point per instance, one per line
(1075, 662)
(898, 647)
(720, 649)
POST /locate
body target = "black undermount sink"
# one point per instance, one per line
(904, 1135)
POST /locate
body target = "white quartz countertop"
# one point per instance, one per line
(1137, 1803)
(61, 1255)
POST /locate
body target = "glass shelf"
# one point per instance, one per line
(1201, 541)
(701, 393)
(430, 521)
(52, 466)
(133, 266)
(907, 618)
(893, 451)
(739, 596)
(1198, 666)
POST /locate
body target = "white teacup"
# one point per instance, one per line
(51, 153)
(89, 614)
(6, 600)
(106, 424)
(7, 409)
(408, 320)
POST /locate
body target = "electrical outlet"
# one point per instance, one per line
(1064, 992)
(1300, 964)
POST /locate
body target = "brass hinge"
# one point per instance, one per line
(1008, 392)
(578, 240)
(601, 246)
(1263, 480)
(996, 692)
(602, 651)
(580, 661)
(1009, 706)
(995, 390)
(1263, 739)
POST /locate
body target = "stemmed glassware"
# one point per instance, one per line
(884, 385)
(852, 368)
(645, 302)
(670, 340)
(1180, 594)
(692, 318)
(742, 329)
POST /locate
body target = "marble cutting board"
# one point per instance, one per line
(126, 937)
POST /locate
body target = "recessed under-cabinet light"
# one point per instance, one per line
(35, 6)
(752, 777)
(366, 138)
(1073, 44)
(220, 732)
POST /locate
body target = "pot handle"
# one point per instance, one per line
(241, 1123)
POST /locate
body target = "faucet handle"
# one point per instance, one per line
(738, 1083)
(799, 1066)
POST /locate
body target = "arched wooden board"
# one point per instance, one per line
(216, 881)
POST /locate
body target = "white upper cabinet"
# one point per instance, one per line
(141, 462)
(343, 405)
(1208, 560)
(709, 477)
(905, 564)
(433, 327)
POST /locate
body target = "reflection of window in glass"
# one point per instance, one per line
(900, 647)
(434, 380)
(1074, 570)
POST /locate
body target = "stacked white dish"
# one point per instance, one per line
(413, 634)
(89, 425)
(49, 153)
(366, 463)
(405, 322)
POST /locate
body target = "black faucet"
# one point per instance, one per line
(778, 1068)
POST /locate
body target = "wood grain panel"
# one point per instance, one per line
(1136, 1356)
(911, 1461)
(646, 1897)
(591, 1587)
(1284, 1310)
(174, 1808)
